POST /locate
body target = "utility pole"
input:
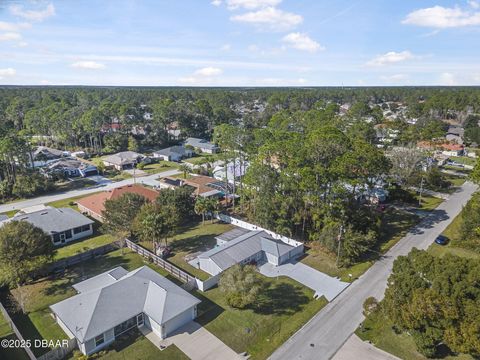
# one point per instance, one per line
(339, 239)
(421, 191)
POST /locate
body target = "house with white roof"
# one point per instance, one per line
(173, 153)
(117, 301)
(123, 160)
(242, 246)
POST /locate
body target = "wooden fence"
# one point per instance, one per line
(157, 260)
(84, 256)
(16, 331)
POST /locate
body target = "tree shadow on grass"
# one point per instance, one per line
(280, 299)
(194, 244)
(207, 310)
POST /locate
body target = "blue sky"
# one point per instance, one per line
(239, 42)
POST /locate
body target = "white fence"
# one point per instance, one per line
(248, 226)
(204, 285)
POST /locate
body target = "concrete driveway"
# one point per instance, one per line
(197, 343)
(355, 349)
(319, 282)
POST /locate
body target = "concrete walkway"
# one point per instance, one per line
(355, 349)
(319, 282)
(196, 342)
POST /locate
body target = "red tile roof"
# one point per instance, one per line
(95, 203)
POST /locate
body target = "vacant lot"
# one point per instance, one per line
(281, 310)
(160, 167)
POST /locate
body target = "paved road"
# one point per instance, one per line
(148, 180)
(326, 332)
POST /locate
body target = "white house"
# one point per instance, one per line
(63, 224)
(117, 301)
(123, 160)
(233, 171)
(241, 246)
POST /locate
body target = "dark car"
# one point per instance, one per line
(441, 240)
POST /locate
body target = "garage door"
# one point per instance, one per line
(173, 324)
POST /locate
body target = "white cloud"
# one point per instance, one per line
(474, 4)
(33, 15)
(209, 71)
(7, 72)
(89, 65)
(270, 18)
(10, 36)
(22, 44)
(396, 78)
(216, 2)
(226, 47)
(441, 17)
(448, 79)
(13, 27)
(301, 41)
(391, 57)
(251, 4)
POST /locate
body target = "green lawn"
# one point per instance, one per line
(160, 167)
(83, 245)
(10, 213)
(69, 202)
(202, 159)
(192, 238)
(464, 160)
(379, 330)
(134, 346)
(428, 202)
(38, 323)
(283, 308)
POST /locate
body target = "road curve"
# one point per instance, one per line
(327, 331)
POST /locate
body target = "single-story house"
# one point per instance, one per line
(63, 224)
(241, 246)
(168, 182)
(173, 153)
(123, 160)
(206, 186)
(452, 149)
(44, 155)
(94, 205)
(117, 301)
(203, 145)
(70, 167)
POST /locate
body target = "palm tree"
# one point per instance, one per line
(185, 169)
(201, 207)
(211, 207)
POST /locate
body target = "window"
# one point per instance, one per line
(68, 234)
(85, 228)
(56, 238)
(125, 326)
(99, 340)
(77, 230)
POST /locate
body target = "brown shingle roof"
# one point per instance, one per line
(96, 202)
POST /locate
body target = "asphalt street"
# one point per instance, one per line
(328, 330)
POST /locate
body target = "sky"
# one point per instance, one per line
(239, 42)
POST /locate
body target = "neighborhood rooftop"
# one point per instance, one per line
(53, 220)
(99, 309)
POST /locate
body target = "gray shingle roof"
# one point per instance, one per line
(95, 311)
(173, 150)
(237, 250)
(53, 220)
(275, 247)
(102, 280)
(200, 143)
(122, 158)
(232, 234)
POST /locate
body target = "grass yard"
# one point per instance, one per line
(160, 167)
(193, 238)
(379, 331)
(38, 322)
(10, 213)
(7, 353)
(83, 245)
(428, 202)
(134, 346)
(465, 160)
(69, 202)
(283, 308)
(395, 226)
(202, 159)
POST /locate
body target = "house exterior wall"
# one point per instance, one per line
(272, 259)
(89, 346)
(178, 321)
(74, 237)
(163, 157)
(154, 326)
(209, 266)
(90, 213)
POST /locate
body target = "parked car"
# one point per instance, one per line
(441, 240)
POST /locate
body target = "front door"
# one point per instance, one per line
(62, 238)
(140, 320)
